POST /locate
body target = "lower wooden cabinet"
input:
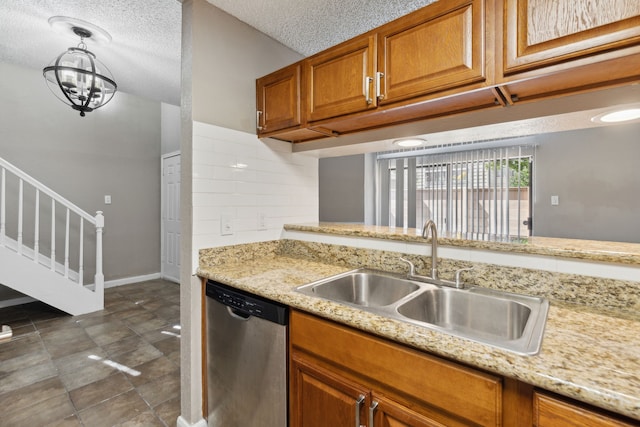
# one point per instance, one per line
(342, 377)
(339, 374)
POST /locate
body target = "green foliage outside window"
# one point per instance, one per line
(519, 170)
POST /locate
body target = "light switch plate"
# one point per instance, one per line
(226, 225)
(107, 200)
(555, 201)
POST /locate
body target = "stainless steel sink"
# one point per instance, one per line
(508, 321)
(362, 287)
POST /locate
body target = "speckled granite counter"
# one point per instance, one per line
(592, 355)
(616, 252)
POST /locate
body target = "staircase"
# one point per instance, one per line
(34, 222)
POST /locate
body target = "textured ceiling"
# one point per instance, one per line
(309, 26)
(144, 55)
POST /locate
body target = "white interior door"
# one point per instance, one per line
(171, 217)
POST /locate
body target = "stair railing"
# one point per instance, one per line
(33, 253)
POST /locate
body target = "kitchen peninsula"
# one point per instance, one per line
(591, 343)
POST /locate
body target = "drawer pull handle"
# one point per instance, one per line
(372, 411)
(359, 403)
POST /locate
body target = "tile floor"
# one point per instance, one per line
(118, 366)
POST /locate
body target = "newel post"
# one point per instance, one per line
(99, 278)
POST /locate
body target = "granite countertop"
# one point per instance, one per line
(587, 354)
(591, 250)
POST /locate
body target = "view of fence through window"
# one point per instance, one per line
(479, 194)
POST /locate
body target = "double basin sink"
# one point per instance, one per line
(504, 320)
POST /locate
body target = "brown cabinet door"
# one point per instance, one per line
(387, 413)
(278, 100)
(439, 47)
(340, 79)
(551, 412)
(539, 33)
(320, 398)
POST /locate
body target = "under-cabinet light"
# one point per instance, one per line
(618, 116)
(409, 142)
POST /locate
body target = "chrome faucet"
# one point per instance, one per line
(430, 226)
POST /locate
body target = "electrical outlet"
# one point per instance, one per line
(107, 200)
(226, 225)
(555, 201)
(262, 221)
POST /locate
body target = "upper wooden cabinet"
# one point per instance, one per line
(278, 100)
(340, 80)
(450, 57)
(554, 48)
(439, 47)
(436, 48)
(540, 33)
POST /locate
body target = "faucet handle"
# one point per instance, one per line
(458, 273)
(412, 268)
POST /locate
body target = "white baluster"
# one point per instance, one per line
(53, 235)
(3, 219)
(99, 277)
(20, 208)
(66, 247)
(81, 250)
(36, 231)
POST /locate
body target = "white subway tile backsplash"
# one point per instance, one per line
(236, 174)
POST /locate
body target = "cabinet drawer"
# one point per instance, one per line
(549, 411)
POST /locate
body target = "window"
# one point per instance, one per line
(476, 193)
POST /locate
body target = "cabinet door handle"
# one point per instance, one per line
(258, 114)
(359, 403)
(372, 411)
(379, 94)
(367, 89)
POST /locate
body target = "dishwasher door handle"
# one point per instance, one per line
(237, 314)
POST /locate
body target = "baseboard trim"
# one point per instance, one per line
(130, 280)
(181, 422)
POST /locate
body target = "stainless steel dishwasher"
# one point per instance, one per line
(246, 359)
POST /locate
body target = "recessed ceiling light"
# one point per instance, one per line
(618, 116)
(409, 142)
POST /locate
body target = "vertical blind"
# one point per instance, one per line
(476, 193)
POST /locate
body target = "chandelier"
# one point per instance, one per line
(76, 77)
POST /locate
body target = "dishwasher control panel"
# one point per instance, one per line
(246, 303)
(239, 302)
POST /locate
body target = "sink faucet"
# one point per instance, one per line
(430, 226)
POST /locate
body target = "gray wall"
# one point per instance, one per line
(114, 150)
(227, 58)
(596, 175)
(342, 189)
